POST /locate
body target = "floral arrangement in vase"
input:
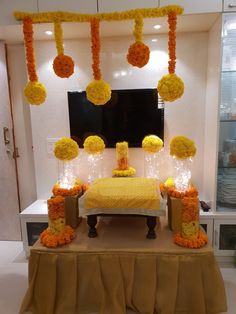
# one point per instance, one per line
(123, 169)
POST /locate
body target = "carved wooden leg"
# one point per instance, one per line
(151, 223)
(92, 221)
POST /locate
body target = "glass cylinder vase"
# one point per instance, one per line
(94, 167)
(182, 173)
(66, 177)
(152, 165)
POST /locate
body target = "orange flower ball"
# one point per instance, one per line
(63, 66)
(138, 54)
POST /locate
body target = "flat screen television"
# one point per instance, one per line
(130, 115)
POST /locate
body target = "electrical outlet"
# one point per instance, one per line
(50, 146)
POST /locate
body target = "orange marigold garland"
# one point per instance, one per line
(138, 53)
(75, 190)
(34, 91)
(171, 87)
(63, 65)
(98, 91)
(56, 233)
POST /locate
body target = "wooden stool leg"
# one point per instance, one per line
(151, 223)
(92, 221)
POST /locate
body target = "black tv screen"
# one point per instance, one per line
(130, 115)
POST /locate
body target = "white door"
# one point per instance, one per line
(9, 206)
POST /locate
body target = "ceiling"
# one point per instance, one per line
(185, 23)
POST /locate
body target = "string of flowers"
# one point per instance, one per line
(98, 91)
(47, 17)
(171, 87)
(34, 91)
(138, 53)
(63, 65)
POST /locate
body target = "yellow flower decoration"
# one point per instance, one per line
(181, 147)
(98, 92)
(169, 183)
(170, 87)
(35, 93)
(94, 145)
(66, 149)
(124, 173)
(152, 143)
(122, 149)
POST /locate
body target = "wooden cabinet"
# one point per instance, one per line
(8, 8)
(123, 5)
(193, 6)
(88, 6)
(229, 5)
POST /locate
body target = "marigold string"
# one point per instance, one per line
(172, 20)
(95, 47)
(58, 37)
(28, 39)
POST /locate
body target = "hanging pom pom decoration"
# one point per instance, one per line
(138, 53)
(171, 87)
(63, 65)
(98, 91)
(34, 91)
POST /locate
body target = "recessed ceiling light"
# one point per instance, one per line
(157, 26)
(154, 40)
(49, 33)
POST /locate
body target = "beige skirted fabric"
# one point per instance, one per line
(122, 269)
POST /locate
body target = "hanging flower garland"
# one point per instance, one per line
(98, 91)
(63, 65)
(171, 87)
(138, 53)
(34, 91)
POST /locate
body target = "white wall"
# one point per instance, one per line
(183, 117)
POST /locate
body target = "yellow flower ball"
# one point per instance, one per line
(169, 183)
(181, 147)
(98, 92)
(170, 87)
(152, 143)
(66, 149)
(94, 145)
(35, 93)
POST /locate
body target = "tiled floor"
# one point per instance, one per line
(13, 279)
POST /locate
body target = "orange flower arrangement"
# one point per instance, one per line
(29, 50)
(63, 65)
(138, 53)
(191, 192)
(172, 20)
(57, 190)
(193, 244)
(190, 211)
(52, 240)
(96, 46)
(56, 207)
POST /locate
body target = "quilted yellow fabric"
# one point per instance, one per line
(123, 193)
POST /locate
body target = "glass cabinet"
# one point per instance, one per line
(226, 179)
